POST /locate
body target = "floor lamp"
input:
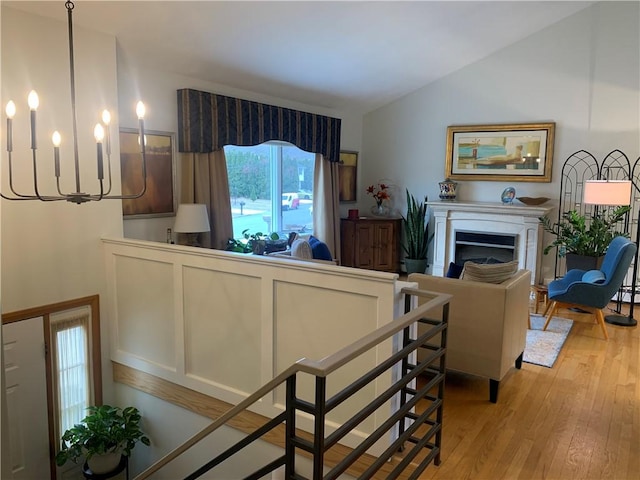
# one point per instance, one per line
(615, 193)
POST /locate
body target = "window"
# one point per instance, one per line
(271, 188)
(72, 369)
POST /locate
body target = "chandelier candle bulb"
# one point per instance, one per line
(140, 111)
(98, 133)
(33, 102)
(11, 111)
(106, 119)
(56, 139)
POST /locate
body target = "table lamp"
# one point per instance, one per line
(192, 218)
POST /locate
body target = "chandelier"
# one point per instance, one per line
(102, 138)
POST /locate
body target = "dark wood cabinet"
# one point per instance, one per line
(372, 243)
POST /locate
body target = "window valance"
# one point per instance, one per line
(207, 122)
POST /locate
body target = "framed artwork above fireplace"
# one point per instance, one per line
(503, 152)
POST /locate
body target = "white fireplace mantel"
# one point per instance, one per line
(488, 217)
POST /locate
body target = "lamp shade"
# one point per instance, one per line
(607, 192)
(192, 218)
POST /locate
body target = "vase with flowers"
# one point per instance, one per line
(380, 194)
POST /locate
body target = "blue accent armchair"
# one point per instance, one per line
(592, 291)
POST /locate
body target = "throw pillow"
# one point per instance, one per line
(593, 276)
(319, 249)
(300, 248)
(493, 273)
(455, 270)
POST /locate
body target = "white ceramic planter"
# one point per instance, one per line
(104, 463)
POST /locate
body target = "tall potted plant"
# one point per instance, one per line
(105, 435)
(582, 242)
(416, 235)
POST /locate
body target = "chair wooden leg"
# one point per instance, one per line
(529, 322)
(600, 318)
(553, 308)
(547, 307)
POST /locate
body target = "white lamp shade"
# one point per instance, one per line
(192, 218)
(607, 192)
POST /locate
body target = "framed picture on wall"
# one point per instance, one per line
(509, 152)
(159, 198)
(348, 176)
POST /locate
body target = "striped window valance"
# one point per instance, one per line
(207, 122)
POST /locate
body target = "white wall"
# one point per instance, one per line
(582, 73)
(159, 91)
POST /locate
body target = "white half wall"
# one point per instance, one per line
(224, 324)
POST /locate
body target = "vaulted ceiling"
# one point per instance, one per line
(344, 55)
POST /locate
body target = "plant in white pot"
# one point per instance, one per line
(416, 235)
(105, 435)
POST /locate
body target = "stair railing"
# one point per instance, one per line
(404, 421)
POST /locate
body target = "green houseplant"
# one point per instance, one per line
(102, 437)
(416, 235)
(257, 243)
(575, 236)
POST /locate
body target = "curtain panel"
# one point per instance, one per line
(207, 122)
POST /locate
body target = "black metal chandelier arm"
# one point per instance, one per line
(35, 174)
(33, 197)
(108, 191)
(13, 190)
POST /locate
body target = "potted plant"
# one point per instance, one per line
(105, 435)
(581, 242)
(416, 235)
(258, 243)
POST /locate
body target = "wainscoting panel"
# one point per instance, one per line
(221, 323)
(145, 325)
(332, 319)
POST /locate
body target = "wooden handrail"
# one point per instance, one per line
(319, 368)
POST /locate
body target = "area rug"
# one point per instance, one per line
(543, 346)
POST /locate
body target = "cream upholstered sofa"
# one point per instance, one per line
(487, 324)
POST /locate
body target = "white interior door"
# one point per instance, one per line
(26, 384)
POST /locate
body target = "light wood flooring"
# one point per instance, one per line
(577, 420)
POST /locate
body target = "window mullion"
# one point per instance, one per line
(276, 187)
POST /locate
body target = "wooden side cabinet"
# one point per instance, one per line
(372, 243)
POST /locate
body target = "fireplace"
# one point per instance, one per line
(480, 247)
(489, 231)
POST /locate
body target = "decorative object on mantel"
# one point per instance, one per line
(101, 134)
(448, 189)
(380, 194)
(532, 200)
(416, 235)
(508, 194)
(508, 152)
